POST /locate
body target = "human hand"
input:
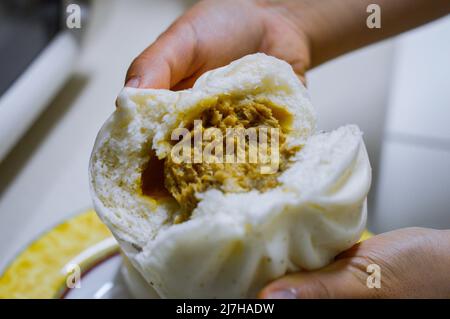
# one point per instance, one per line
(212, 34)
(304, 33)
(414, 263)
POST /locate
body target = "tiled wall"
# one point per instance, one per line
(354, 89)
(414, 184)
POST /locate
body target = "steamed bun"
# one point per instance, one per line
(226, 230)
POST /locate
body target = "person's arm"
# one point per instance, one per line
(304, 33)
(335, 27)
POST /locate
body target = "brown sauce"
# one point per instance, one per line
(152, 181)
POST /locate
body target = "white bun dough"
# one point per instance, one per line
(234, 243)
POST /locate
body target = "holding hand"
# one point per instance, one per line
(212, 34)
(413, 263)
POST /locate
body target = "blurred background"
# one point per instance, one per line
(58, 86)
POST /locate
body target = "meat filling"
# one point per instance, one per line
(184, 180)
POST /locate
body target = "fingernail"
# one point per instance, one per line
(133, 82)
(282, 294)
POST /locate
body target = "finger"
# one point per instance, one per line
(302, 79)
(185, 84)
(167, 61)
(346, 278)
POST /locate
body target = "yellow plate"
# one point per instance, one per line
(40, 271)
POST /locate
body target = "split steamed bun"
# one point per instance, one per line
(225, 230)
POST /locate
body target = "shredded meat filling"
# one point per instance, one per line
(184, 180)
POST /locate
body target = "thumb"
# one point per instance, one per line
(345, 278)
(167, 61)
(342, 279)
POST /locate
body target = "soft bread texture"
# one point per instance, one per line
(234, 243)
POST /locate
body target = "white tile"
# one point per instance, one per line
(414, 186)
(420, 96)
(353, 89)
